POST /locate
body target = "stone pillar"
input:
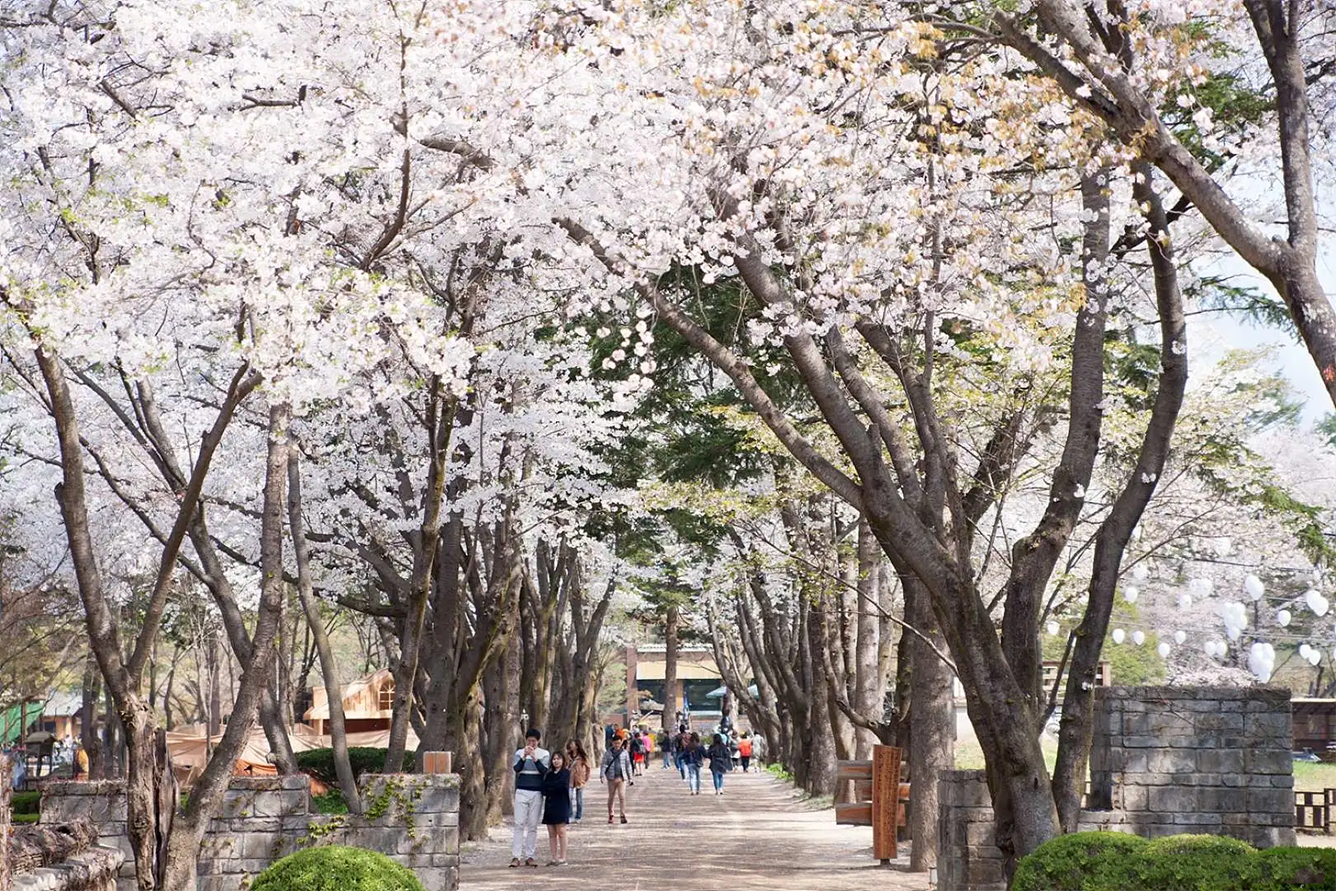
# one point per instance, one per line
(6, 789)
(1193, 759)
(967, 858)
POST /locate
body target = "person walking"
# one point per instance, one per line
(692, 758)
(578, 759)
(616, 772)
(745, 751)
(721, 761)
(665, 743)
(532, 763)
(680, 742)
(557, 807)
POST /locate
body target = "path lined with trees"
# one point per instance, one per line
(759, 835)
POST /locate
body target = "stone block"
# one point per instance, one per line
(1171, 761)
(1219, 722)
(1270, 761)
(1162, 724)
(1220, 799)
(1262, 801)
(1173, 799)
(1220, 761)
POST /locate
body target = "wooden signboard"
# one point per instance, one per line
(879, 798)
(885, 801)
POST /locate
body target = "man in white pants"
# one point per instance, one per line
(531, 763)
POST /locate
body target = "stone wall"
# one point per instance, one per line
(411, 818)
(51, 858)
(1194, 759)
(1164, 761)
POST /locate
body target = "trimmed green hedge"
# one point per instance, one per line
(1080, 861)
(1110, 861)
(336, 868)
(363, 759)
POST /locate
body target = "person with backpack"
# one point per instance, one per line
(721, 761)
(693, 756)
(616, 772)
(745, 751)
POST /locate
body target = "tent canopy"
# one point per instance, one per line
(718, 692)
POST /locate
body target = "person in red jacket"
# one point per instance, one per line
(745, 751)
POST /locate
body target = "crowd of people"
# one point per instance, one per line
(550, 785)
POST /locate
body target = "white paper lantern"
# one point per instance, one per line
(1119, 635)
(1052, 627)
(1180, 636)
(1316, 602)
(1184, 600)
(1314, 657)
(1163, 649)
(1283, 618)
(1262, 661)
(1201, 587)
(1140, 572)
(1304, 649)
(1138, 637)
(1131, 595)
(1253, 585)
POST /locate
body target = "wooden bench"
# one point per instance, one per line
(880, 799)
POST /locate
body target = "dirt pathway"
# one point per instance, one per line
(756, 837)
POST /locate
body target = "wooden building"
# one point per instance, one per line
(368, 705)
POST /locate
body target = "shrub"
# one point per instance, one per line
(1284, 869)
(363, 759)
(26, 802)
(1080, 861)
(1198, 862)
(26, 818)
(336, 868)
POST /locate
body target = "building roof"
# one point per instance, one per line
(62, 704)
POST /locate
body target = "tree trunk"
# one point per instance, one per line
(329, 670)
(932, 724)
(671, 621)
(1075, 730)
(867, 666)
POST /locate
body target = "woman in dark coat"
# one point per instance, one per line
(721, 762)
(557, 807)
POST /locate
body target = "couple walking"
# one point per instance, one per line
(548, 787)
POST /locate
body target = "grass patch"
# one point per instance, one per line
(969, 754)
(779, 771)
(1311, 777)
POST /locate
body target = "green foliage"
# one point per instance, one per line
(26, 818)
(26, 803)
(336, 868)
(1199, 862)
(1106, 861)
(1080, 861)
(319, 763)
(330, 803)
(1290, 868)
(780, 771)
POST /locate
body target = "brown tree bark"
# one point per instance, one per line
(329, 670)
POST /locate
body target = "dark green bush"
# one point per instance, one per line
(1286, 869)
(1199, 863)
(26, 802)
(1082, 860)
(336, 868)
(1106, 861)
(26, 818)
(320, 762)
